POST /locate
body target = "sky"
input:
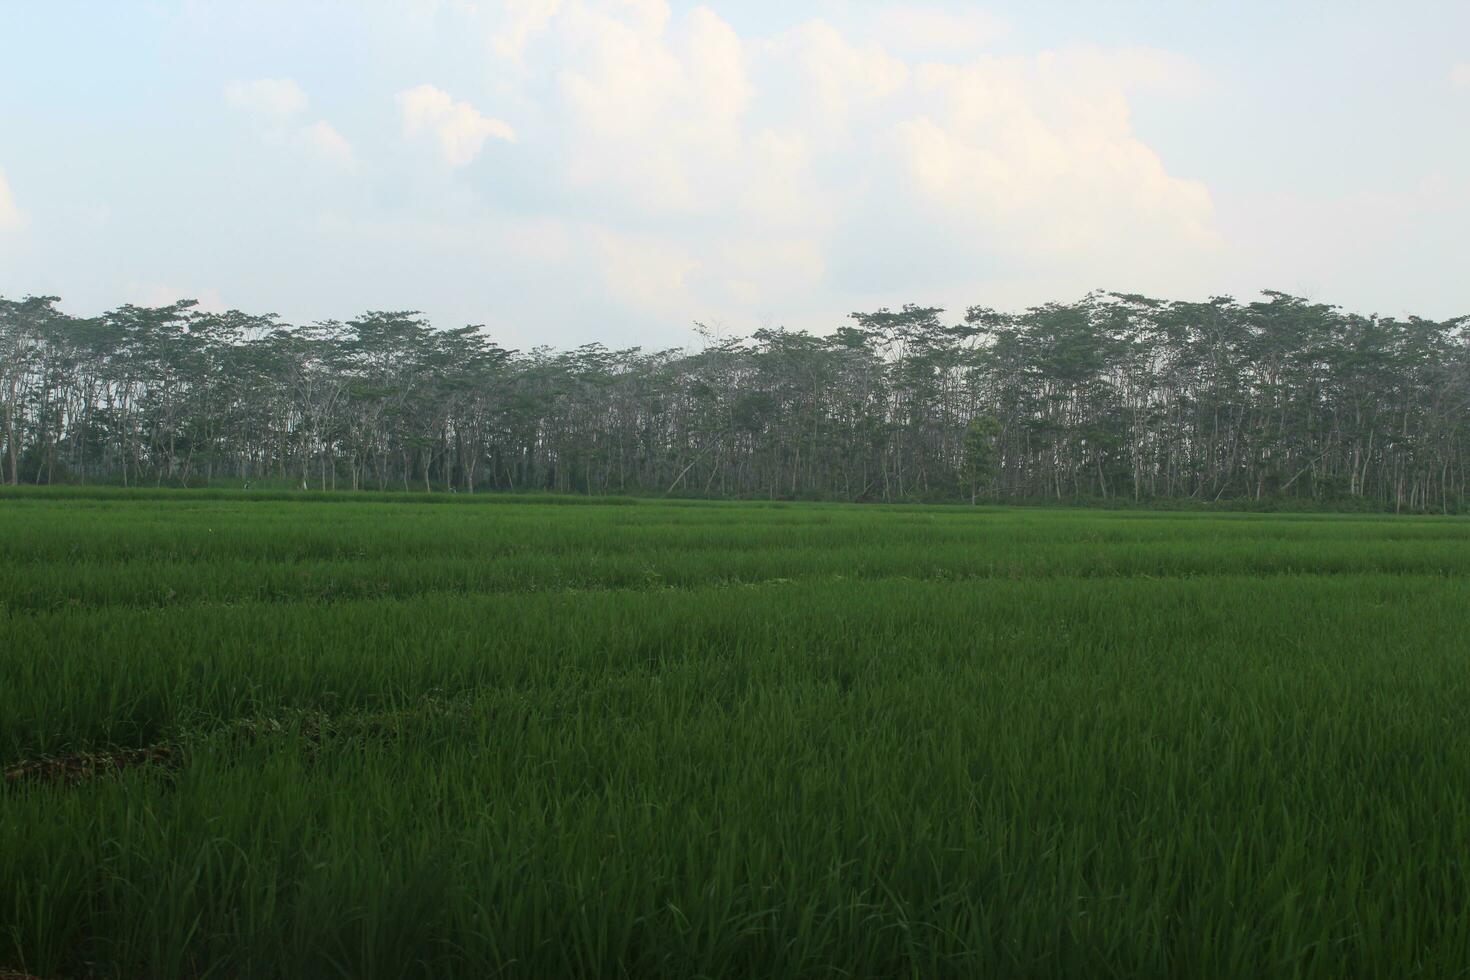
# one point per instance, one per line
(570, 171)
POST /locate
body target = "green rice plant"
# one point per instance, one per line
(719, 740)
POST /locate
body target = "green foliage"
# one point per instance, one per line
(680, 739)
(1112, 397)
(982, 457)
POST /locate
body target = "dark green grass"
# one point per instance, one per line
(733, 740)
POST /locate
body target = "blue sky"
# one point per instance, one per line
(565, 171)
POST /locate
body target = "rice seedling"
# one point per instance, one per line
(382, 738)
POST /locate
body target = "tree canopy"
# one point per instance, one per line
(1110, 396)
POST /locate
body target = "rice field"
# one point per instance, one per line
(394, 736)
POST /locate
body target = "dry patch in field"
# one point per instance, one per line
(81, 766)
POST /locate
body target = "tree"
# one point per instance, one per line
(981, 456)
(1114, 394)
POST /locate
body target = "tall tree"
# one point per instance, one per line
(1114, 395)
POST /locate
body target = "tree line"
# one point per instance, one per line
(1112, 396)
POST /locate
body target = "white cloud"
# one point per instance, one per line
(682, 170)
(830, 76)
(10, 217)
(935, 31)
(767, 169)
(274, 99)
(276, 105)
(646, 272)
(654, 115)
(458, 128)
(324, 140)
(673, 163)
(523, 20)
(1024, 153)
